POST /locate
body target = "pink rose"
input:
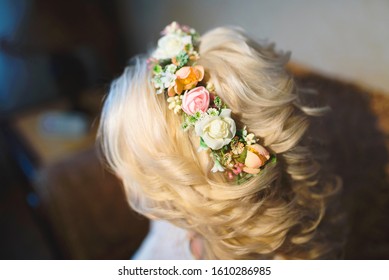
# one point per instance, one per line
(195, 100)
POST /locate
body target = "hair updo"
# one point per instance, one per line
(280, 212)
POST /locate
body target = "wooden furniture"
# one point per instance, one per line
(84, 205)
(88, 210)
(48, 150)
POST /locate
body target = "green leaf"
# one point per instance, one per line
(213, 112)
(192, 119)
(218, 102)
(239, 133)
(171, 68)
(184, 126)
(182, 59)
(202, 144)
(240, 179)
(188, 47)
(157, 69)
(195, 38)
(242, 156)
(197, 115)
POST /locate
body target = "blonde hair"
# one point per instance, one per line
(276, 214)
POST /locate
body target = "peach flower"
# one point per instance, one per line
(186, 78)
(195, 100)
(256, 157)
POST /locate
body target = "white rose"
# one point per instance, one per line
(216, 131)
(170, 46)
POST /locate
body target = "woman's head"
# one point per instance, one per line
(277, 212)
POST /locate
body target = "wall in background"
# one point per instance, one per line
(348, 39)
(51, 49)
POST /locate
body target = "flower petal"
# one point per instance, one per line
(199, 71)
(178, 88)
(251, 170)
(252, 160)
(217, 167)
(225, 113)
(183, 73)
(261, 150)
(214, 144)
(171, 91)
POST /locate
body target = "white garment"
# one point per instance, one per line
(164, 242)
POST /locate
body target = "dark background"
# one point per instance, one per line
(63, 52)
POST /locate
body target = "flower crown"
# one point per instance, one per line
(176, 72)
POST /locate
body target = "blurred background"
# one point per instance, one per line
(57, 59)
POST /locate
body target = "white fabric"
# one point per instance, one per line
(164, 242)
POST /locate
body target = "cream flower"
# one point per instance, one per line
(216, 131)
(168, 79)
(174, 27)
(175, 103)
(217, 167)
(237, 147)
(250, 139)
(171, 45)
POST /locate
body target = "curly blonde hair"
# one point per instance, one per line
(278, 214)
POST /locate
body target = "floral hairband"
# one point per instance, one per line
(176, 72)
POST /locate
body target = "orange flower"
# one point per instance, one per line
(256, 157)
(186, 78)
